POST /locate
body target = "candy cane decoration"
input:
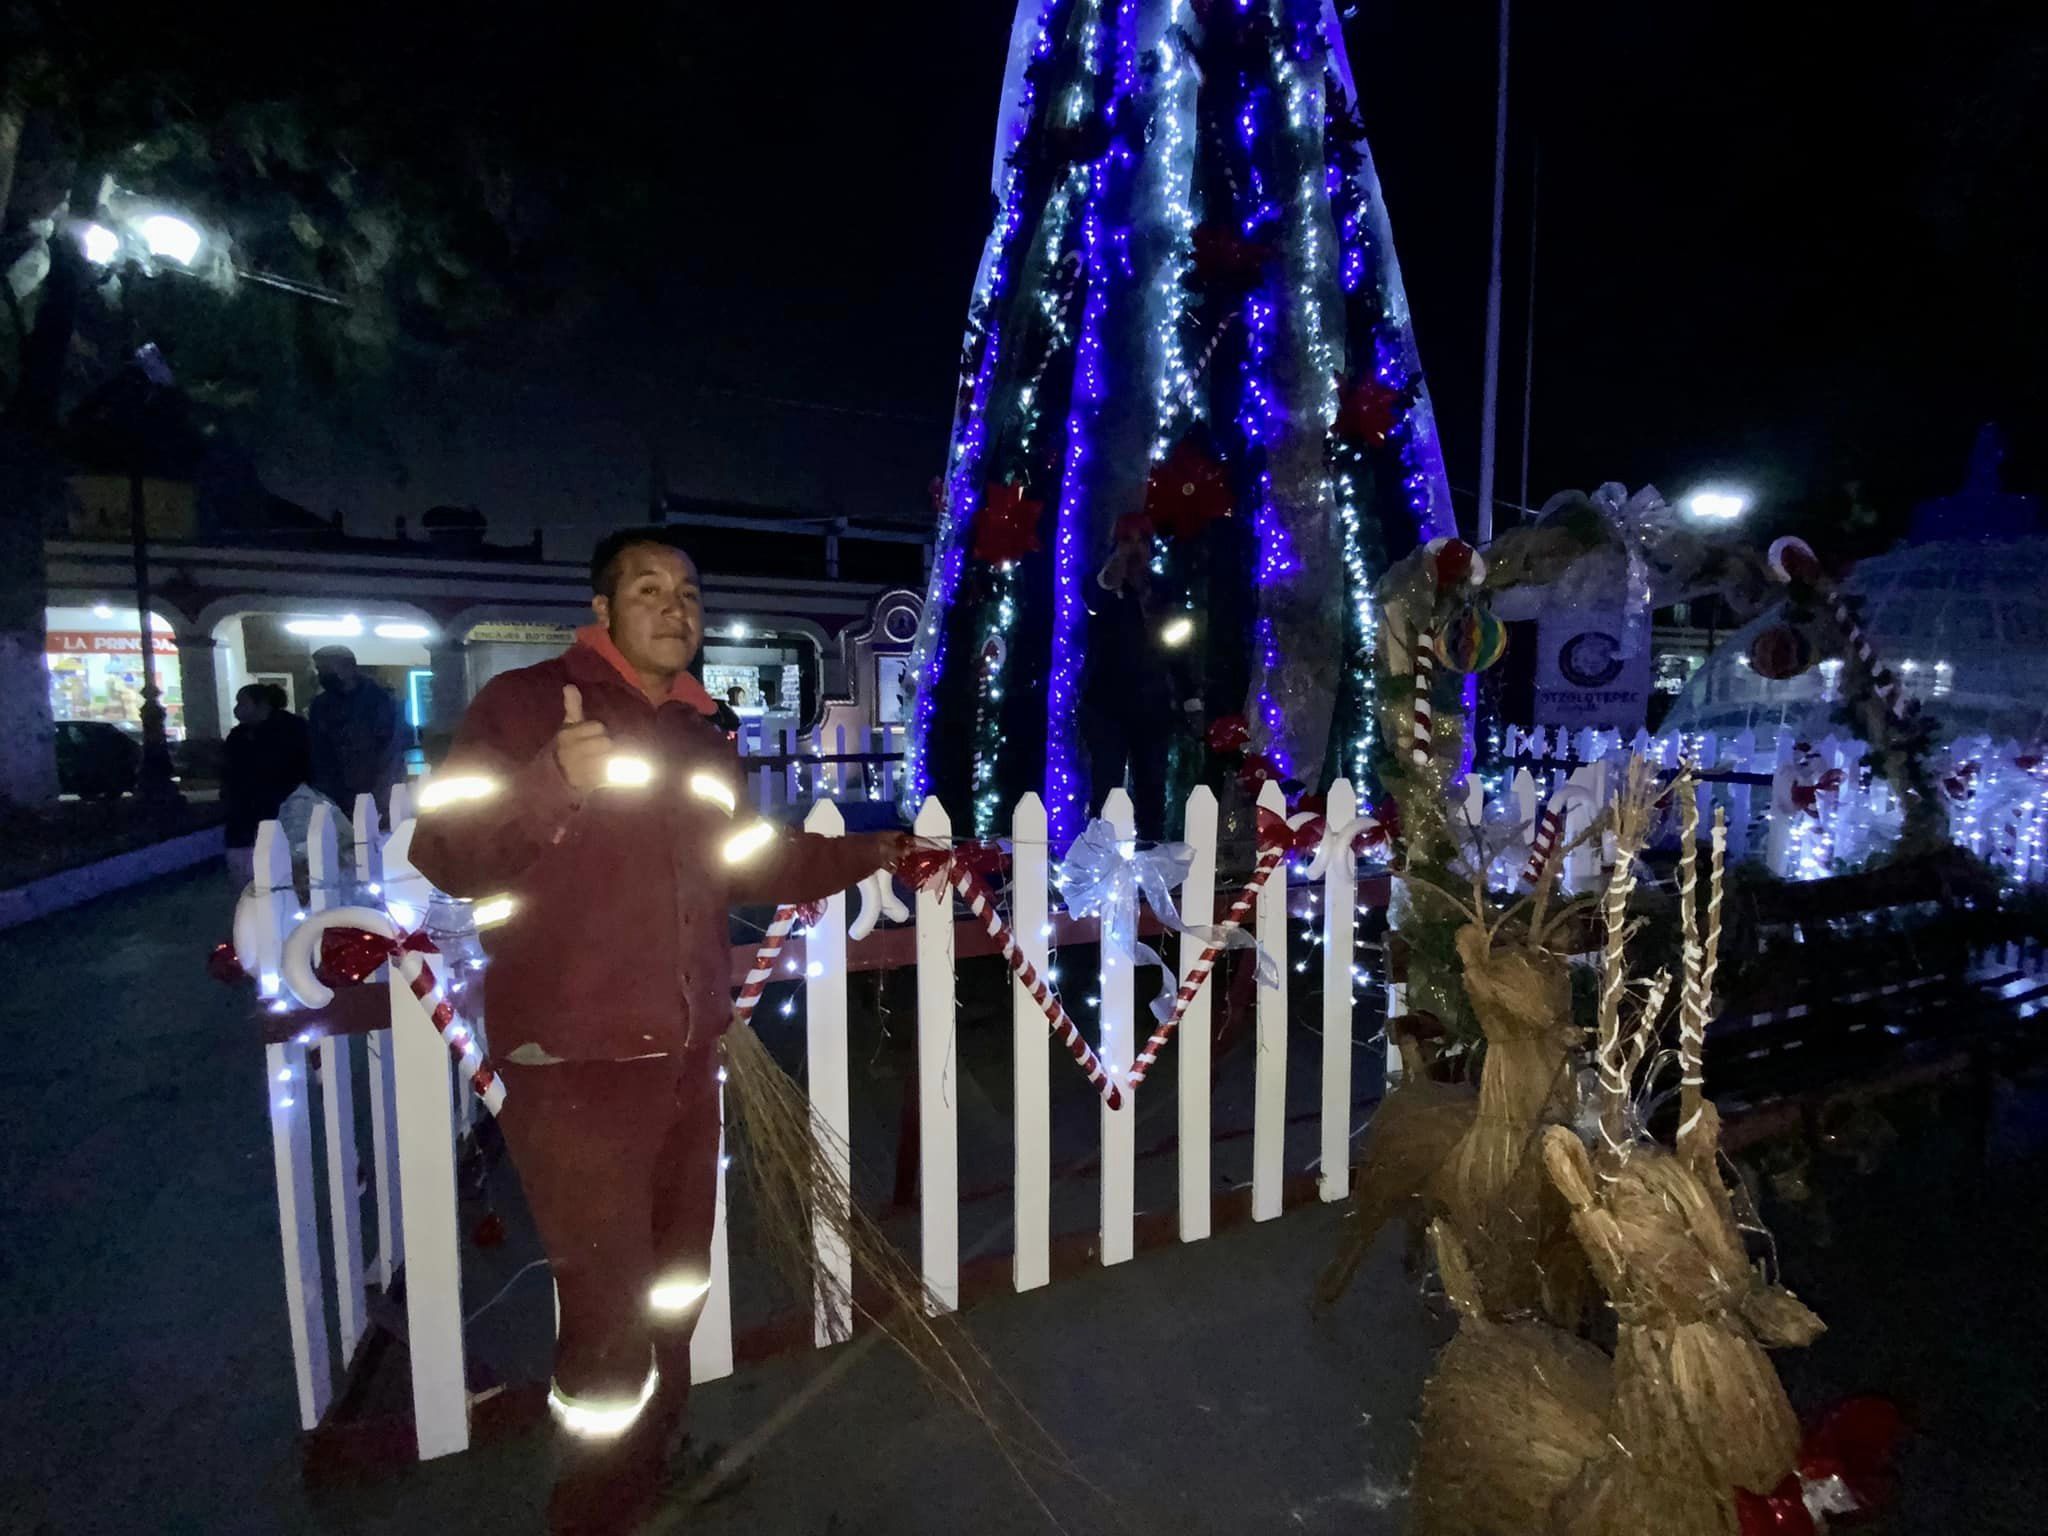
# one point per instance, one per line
(1425, 667)
(983, 906)
(1273, 851)
(1549, 828)
(1790, 558)
(763, 970)
(407, 952)
(962, 879)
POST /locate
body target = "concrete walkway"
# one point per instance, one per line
(148, 1387)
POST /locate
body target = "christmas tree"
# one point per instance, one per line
(1191, 428)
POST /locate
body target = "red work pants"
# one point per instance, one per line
(619, 1162)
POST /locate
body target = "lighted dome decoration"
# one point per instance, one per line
(1965, 625)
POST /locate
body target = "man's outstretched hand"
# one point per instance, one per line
(581, 746)
(891, 848)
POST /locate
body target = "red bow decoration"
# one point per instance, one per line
(1228, 733)
(1187, 491)
(1963, 782)
(1806, 797)
(350, 956)
(222, 965)
(1845, 1467)
(1275, 832)
(1221, 252)
(1007, 527)
(925, 866)
(1256, 770)
(1367, 411)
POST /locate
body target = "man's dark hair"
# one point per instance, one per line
(259, 693)
(604, 560)
(279, 699)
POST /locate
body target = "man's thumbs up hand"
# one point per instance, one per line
(581, 746)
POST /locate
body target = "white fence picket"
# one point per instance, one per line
(1269, 1113)
(1197, 910)
(1118, 984)
(369, 839)
(711, 1343)
(938, 1122)
(1031, 1054)
(291, 1144)
(433, 1247)
(825, 1057)
(338, 1107)
(1340, 918)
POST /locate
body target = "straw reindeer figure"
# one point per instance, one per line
(1528, 1429)
(1474, 1156)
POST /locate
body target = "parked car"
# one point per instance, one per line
(96, 759)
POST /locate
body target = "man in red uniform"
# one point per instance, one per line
(596, 793)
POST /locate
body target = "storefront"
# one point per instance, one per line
(95, 660)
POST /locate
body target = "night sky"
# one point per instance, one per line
(1787, 252)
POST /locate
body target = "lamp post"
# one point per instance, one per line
(156, 782)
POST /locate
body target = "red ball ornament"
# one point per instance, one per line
(1187, 491)
(1781, 1512)
(1780, 652)
(1367, 411)
(1472, 641)
(1453, 563)
(1228, 733)
(1006, 528)
(1256, 771)
(222, 965)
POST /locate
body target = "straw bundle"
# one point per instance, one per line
(791, 1185)
(1510, 1417)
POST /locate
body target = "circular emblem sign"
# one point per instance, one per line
(1590, 659)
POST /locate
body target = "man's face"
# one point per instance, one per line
(337, 673)
(654, 613)
(250, 710)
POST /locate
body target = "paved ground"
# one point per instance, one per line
(148, 1384)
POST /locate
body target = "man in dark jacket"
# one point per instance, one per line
(596, 792)
(263, 760)
(357, 729)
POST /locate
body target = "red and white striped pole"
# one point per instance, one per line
(1425, 670)
(1270, 859)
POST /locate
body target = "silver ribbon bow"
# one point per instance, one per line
(1638, 521)
(1104, 875)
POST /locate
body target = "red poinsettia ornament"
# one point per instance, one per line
(1007, 527)
(1228, 733)
(1188, 490)
(1366, 411)
(1254, 772)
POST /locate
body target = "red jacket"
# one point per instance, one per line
(617, 942)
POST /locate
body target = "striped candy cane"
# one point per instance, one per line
(1549, 822)
(983, 906)
(977, 897)
(763, 970)
(406, 951)
(1275, 843)
(1425, 668)
(1792, 558)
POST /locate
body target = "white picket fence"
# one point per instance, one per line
(1804, 824)
(418, 1110)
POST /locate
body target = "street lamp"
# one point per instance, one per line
(1717, 504)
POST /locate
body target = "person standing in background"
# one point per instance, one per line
(357, 738)
(267, 756)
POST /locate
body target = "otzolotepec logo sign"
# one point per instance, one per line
(1582, 678)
